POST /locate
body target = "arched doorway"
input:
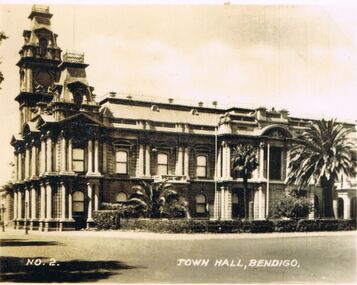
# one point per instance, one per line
(238, 203)
(353, 208)
(78, 208)
(340, 208)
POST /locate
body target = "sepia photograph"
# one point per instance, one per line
(178, 142)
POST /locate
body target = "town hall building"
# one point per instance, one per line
(73, 152)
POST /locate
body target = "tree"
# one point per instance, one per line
(157, 199)
(321, 154)
(244, 162)
(2, 37)
(293, 206)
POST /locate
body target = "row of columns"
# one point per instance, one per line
(46, 202)
(36, 161)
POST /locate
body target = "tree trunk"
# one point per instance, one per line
(246, 202)
(327, 194)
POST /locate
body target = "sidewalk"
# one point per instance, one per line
(136, 235)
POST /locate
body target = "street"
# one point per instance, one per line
(127, 257)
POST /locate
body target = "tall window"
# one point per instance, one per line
(121, 160)
(121, 197)
(78, 202)
(162, 164)
(78, 159)
(275, 166)
(201, 166)
(200, 204)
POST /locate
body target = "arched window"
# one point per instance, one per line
(43, 46)
(200, 204)
(121, 160)
(78, 159)
(201, 166)
(235, 205)
(122, 197)
(78, 202)
(340, 208)
(162, 164)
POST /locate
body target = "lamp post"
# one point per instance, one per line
(26, 229)
(3, 216)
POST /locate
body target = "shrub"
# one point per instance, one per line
(107, 219)
(292, 206)
(325, 225)
(285, 225)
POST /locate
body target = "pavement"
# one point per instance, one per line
(142, 257)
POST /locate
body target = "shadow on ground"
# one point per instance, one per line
(14, 269)
(24, 242)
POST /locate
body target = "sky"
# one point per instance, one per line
(296, 57)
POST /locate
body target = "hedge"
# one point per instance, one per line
(113, 219)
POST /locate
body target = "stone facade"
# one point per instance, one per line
(73, 152)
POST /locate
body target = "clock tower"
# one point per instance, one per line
(40, 58)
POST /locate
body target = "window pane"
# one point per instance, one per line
(275, 163)
(122, 197)
(121, 168)
(201, 171)
(201, 160)
(78, 206)
(78, 166)
(200, 199)
(78, 154)
(235, 198)
(162, 158)
(78, 196)
(162, 169)
(121, 156)
(200, 208)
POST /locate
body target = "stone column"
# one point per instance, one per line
(63, 154)
(48, 201)
(89, 186)
(15, 204)
(179, 161)
(33, 160)
(187, 162)
(261, 203)
(96, 156)
(70, 169)
(228, 166)
(90, 156)
(147, 161)
(49, 155)
(63, 202)
(43, 202)
(346, 207)
(27, 162)
(217, 204)
(140, 161)
(261, 160)
(228, 203)
(19, 204)
(96, 197)
(287, 162)
(70, 204)
(223, 216)
(43, 157)
(27, 202)
(33, 203)
(219, 164)
(335, 207)
(256, 171)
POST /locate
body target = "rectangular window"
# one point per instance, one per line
(78, 159)
(162, 164)
(201, 166)
(275, 163)
(121, 158)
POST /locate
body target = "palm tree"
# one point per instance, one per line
(244, 162)
(152, 197)
(321, 154)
